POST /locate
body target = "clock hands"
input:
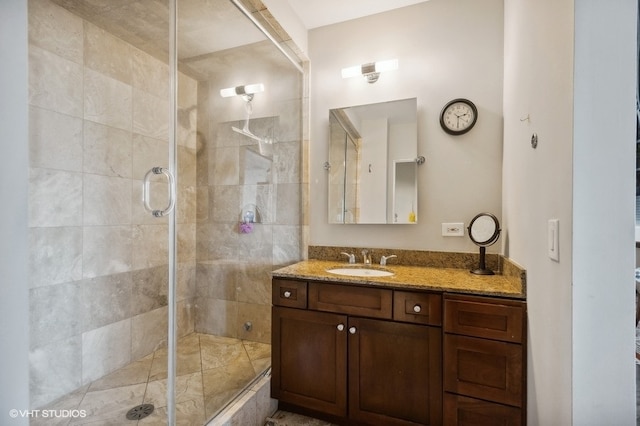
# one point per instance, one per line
(460, 116)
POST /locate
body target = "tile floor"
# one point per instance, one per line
(210, 371)
(285, 418)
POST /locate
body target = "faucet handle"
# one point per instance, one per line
(352, 257)
(366, 256)
(383, 259)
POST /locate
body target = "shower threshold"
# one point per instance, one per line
(211, 372)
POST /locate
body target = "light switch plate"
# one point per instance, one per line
(553, 250)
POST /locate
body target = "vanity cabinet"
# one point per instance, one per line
(484, 361)
(362, 355)
(378, 355)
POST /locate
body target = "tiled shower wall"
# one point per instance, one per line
(233, 268)
(98, 111)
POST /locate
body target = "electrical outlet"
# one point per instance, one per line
(453, 229)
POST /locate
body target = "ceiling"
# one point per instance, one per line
(207, 26)
(317, 13)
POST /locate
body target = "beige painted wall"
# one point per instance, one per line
(445, 50)
(570, 67)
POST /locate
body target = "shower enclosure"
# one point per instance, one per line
(110, 105)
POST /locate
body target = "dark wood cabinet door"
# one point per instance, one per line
(464, 411)
(485, 369)
(309, 359)
(395, 374)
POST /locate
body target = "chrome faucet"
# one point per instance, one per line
(366, 256)
(383, 259)
(352, 257)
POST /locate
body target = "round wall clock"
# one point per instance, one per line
(458, 116)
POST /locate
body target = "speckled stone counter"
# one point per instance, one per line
(411, 277)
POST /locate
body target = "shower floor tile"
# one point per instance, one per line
(210, 371)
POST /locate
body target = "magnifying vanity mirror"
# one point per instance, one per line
(372, 167)
(484, 230)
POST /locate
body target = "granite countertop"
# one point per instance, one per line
(410, 277)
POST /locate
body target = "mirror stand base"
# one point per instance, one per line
(481, 271)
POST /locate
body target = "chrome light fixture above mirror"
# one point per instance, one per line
(370, 71)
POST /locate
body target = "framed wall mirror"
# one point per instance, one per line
(372, 167)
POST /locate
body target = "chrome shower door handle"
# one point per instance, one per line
(171, 192)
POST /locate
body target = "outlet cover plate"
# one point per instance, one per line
(454, 229)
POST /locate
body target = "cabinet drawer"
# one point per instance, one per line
(419, 308)
(351, 300)
(496, 319)
(484, 369)
(461, 410)
(290, 293)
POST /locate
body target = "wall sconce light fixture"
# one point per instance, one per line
(370, 71)
(247, 91)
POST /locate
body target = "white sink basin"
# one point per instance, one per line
(360, 272)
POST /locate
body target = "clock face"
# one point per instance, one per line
(458, 116)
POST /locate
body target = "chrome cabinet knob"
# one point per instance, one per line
(352, 330)
(340, 327)
(287, 294)
(417, 309)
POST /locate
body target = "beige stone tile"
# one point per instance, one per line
(261, 365)
(225, 167)
(260, 317)
(105, 300)
(150, 115)
(221, 351)
(97, 262)
(55, 140)
(54, 370)
(186, 285)
(188, 387)
(110, 405)
(220, 384)
(288, 195)
(188, 359)
(149, 152)
(55, 255)
(186, 241)
(257, 350)
(54, 313)
(135, 373)
(226, 203)
(106, 200)
(187, 205)
(148, 332)
(185, 317)
(150, 75)
(105, 349)
(53, 82)
(284, 418)
(107, 150)
(107, 54)
(54, 191)
(216, 317)
(67, 402)
(55, 29)
(188, 413)
(254, 279)
(107, 100)
(150, 246)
